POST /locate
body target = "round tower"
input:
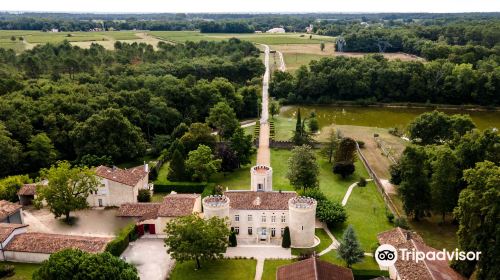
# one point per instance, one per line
(261, 178)
(302, 212)
(216, 205)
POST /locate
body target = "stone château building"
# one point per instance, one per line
(260, 215)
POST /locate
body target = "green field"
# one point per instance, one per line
(294, 61)
(270, 267)
(264, 38)
(215, 270)
(39, 37)
(368, 262)
(23, 271)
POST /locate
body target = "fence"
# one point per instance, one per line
(378, 183)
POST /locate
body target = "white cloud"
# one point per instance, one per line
(247, 6)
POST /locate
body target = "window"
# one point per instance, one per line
(282, 231)
(273, 219)
(259, 187)
(237, 230)
(249, 218)
(283, 218)
(273, 232)
(250, 231)
(263, 219)
(302, 227)
(236, 218)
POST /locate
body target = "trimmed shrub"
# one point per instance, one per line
(331, 213)
(6, 270)
(286, 242)
(120, 243)
(180, 187)
(313, 193)
(144, 196)
(343, 168)
(362, 182)
(369, 274)
(233, 242)
(390, 217)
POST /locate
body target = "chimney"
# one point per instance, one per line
(408, 235)
(114, 167)
(146, 167)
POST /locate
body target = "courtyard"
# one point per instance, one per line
(150, 258)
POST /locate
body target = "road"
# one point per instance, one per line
(263, 153)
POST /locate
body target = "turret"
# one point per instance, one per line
(302, 212)
(216, 205)
(261, 177)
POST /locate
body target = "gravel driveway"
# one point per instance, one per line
(150, 257)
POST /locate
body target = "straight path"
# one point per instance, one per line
(282, 62)
(263, 153)
(259, 269)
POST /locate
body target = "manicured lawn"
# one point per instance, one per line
(284, 128)
(368, 263)
(271, 266)
(215, 270)
(23, 271)
(367, 214)
(239, 179)
(162, 174)
(325, 241)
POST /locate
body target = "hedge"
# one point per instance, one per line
(369, 274)
(180, 187)
(120, 243)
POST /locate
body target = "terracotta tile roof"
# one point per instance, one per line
(35, 242)
(251, 200)
(7, 229)
(27, 189)
(129, 177)
(173, 205)
(177, 205)
(431, 270)
(138, 209)
(313, 269)
(30, 189)
(8, 208)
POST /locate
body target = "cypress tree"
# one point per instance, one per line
(285, 243)
(177, 169)
(233, 242)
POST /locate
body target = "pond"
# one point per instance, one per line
(384, 117)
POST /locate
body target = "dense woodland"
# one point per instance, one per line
(64, 102)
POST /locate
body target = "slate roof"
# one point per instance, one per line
(313, 269)
(173, 205)
(424, 270)
(129, 177)
(8, 208)
(7, 229)
(35, 242)
(250, 200)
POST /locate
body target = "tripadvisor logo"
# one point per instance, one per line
(386, 255)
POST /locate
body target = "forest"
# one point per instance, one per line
(64, 102)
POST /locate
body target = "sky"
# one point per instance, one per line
(251, 6)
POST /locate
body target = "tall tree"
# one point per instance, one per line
(223, 118)
(194, 238)
(330, 146)
(444, 180)
(198, 134)
(478, 214)
(350, 249)
(9, 186)
(346, 151)
(177, 168)
(11, 152)
(109, 133)
(41, 151)
(242, 145)
(228, 157)
(414, 188)
(303, 170)
(300, 135)
(74, 264)
(68, 188)
(274, 108)
(201, 163)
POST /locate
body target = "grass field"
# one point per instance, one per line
(215, 270)
(23, 271)
(236, 180)
(325, 241)
(264, 38)
(270, 267)
(368, 263)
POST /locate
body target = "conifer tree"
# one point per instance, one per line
(177, 168)
(350, 249)
(286, 242)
